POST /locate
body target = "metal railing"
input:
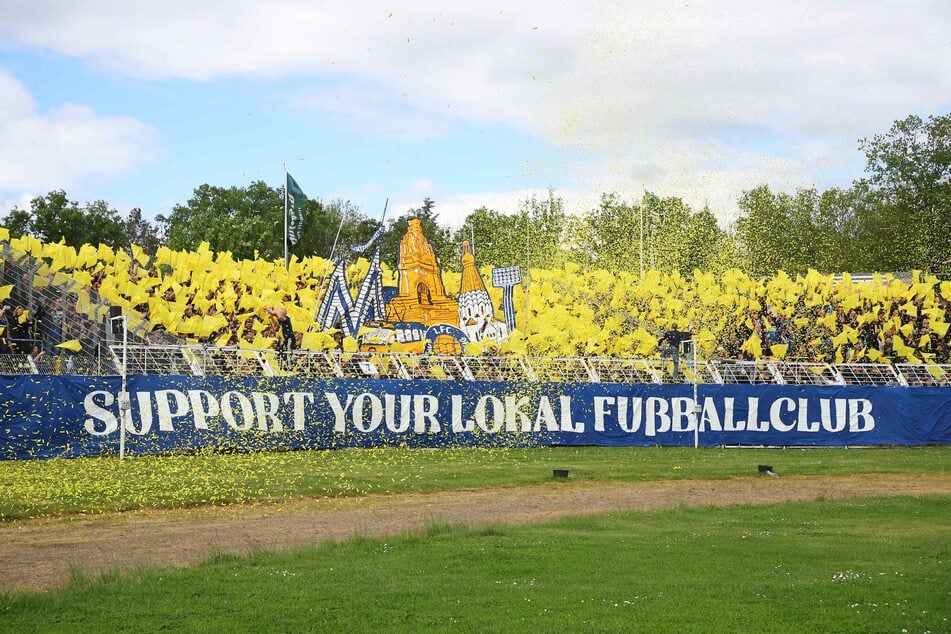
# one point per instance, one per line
(329, 364)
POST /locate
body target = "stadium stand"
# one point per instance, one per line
(206, 313)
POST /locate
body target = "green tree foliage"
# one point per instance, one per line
(897, 218)
(54, 217)
(608, 237)
(534, 236)
(335, 222)
(493, 234)
(140, 231)
(795, 233)
(759, 231)
(662, 233)
(905, 218)
(250, 220)
(244, 220)
(546, 223)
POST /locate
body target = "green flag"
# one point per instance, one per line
(296, 202)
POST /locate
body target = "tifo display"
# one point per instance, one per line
(204, 297)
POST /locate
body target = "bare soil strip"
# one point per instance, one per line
(38, 554)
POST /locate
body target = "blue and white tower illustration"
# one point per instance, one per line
(507, 278)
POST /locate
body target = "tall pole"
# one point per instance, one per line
(528, 265)
(696, 403)
(125, 381)
(641, 207)
(287, 260)
(125, 406)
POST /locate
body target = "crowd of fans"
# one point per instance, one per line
(211, 298)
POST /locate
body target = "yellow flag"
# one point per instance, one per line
(4, 234)
(939, 328)
(72, 344)
(753, 345)
(936, 371)
(779, 350)
(317, 341)
(5, 291)
(105, 254)
(139, 256)
(829, 321)
(262, 343)
(473, 349)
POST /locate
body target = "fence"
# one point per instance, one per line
(187, 360)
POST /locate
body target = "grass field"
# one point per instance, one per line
(866, 565)
(861, 565)
(95, 485)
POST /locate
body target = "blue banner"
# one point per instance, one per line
(67, 416)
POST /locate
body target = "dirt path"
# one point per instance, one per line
(38, 554)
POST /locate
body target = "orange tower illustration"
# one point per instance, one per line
(422, 297)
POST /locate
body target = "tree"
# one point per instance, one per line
(325, 224)
(496, 237)
(543, 223)
(905, 218)
(243, 220)
(762, 231)
(17, 222)
(140, 231)
(607, 237)
(249, 220)
(54, 217)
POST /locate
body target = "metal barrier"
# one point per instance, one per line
(330, 364)
(869, 374)
(925, 375)
(747, 372)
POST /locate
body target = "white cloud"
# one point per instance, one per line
(22, 201)
(64, 146)
(714, 97)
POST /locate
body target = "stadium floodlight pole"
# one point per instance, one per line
(287, 260)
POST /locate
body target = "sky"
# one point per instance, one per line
(471, 104)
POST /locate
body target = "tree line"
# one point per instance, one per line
(896, 217)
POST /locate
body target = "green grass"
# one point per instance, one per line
(867, 565)
(96, 485)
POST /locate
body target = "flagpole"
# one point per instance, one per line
(287, 261)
